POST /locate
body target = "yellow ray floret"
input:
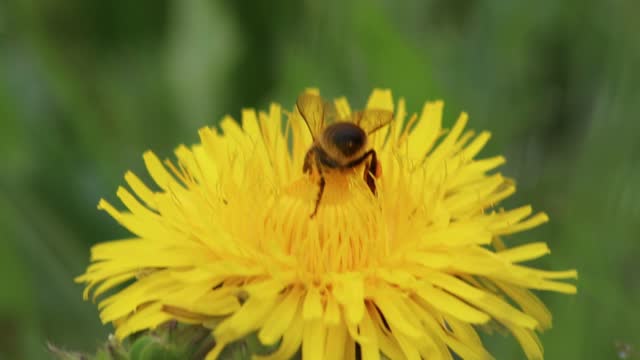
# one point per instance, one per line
(226, 241)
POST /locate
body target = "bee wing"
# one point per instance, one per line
(311, 107)
(330, 112)
(372, 120)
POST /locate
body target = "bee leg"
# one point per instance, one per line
(373, 171)
(321, 190)
(306, 166)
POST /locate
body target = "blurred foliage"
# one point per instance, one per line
(86, 87)
(170, 341)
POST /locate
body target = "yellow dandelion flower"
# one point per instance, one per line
(411, 272)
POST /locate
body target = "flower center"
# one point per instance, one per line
(343, 236)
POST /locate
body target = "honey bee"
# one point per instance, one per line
(340, 144)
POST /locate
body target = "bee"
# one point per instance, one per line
(340, 144)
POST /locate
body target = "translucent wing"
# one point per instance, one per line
(311, 107)
(372, 120)
(330, 113)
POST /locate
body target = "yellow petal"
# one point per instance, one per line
(529, 303)
(349, 291)
(290, 343)
(380, 99)
(277, 322)
(529, 342)
(312, 308)
(525, 252)
(313, 340)
(369, 348)
(158, 172)
(250, 317)
(426, 130)
(343, 108)
(140, 189)
(394, 310)
(336, 342)
(332, 312)
(451, 305)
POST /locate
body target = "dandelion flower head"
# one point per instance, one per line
(224, 239)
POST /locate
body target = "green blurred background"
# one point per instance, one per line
(87, 86)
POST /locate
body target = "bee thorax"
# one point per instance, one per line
(344, 140)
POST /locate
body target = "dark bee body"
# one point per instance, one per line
(348, 139)
(341, 145)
